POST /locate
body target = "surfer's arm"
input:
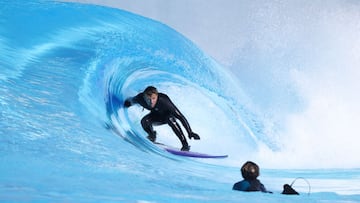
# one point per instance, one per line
(128, 102)
(183, 120)
(177, 114)
(174, 111)
(186, 124)
(131, 100)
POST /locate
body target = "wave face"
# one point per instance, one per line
(65, 72)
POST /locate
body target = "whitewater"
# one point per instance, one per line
(286, 100)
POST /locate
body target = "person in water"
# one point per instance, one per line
(250, 171)
(162, 111)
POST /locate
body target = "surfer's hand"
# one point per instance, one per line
(194, 135)
(127, 103)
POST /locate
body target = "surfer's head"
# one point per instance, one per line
(250, 170)
(151, 96)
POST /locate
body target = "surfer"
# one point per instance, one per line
(250, 171)
(162, 111)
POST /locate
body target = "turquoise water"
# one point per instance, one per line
(65, 71)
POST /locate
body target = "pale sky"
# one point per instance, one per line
(213, 25)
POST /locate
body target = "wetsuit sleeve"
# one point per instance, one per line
(175, 111)
(256, 185)
(183, 120)
(128, 102)
(241, 186)
(263, 189)
(132, 100)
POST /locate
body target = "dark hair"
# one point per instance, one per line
(250, 170)
(150, 90)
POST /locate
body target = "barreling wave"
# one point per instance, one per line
(65, 71)
(104, 55)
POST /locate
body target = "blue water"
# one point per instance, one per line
(66, 69)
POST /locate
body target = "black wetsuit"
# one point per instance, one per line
(250, 186)
(164, 112)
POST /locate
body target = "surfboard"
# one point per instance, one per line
(192, 154)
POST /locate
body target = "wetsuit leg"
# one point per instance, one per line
(179, 133)
(149, 121)
(146, 123)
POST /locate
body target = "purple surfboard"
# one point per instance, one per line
(178, 152)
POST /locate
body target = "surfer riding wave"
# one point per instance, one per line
(162, 111)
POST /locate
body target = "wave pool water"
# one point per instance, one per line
(66, 68)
